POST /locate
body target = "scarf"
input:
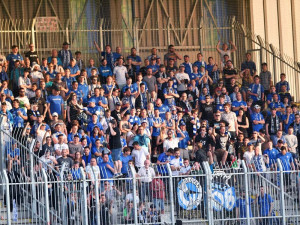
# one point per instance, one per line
(258, 91)
(274, 126)
(66, 58)
(195, 126)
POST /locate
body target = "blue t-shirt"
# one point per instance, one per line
(55, 104)
(105, 71)
(256, 89)
(134, 119)
(238, 104)
(154, 67)
(91, 126)
(89, 71)
(77, 92)
(291, 120)
(162, 110)
(71, 136)
(199, 64)
(220, 107)
(135, 59)
(18, 121)
(107, 88)
(264, 204)
(169, 101)
(258, 117)
(12, 58)
(272, 153)
(241, 204)
(163, 157)
(286, 161)
(184, 142)
(74, 69)
(132, 88)
(156, 131)
(94, 139)
(13, 152)
(125, 160)
(84, 89)
(69, 81)
(188, 68)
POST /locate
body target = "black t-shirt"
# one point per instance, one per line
(227, 80)
(222, 142)
(206, 141)
(173, 68)
(67, 161)
(116, 115)
(115, 141)
(276, 123)
(207, 112)
(32, 56)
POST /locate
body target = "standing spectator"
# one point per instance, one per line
(139, 154)
(32, 55)
(249, 64)
(79, 61)
(257, 119)
(292, 142)
(115, 146)
(229, 73)
(151, 82)
(230, 118)
(222, 144)
(183, 79)
(225, 50)
(55, 104)
(273, 123)
(153, 54)
(256, 91)
(146, 174)
(65, 55)
(157, 188)
(266, 79)
(136, 60)
(120, 73)
(241, 209)
(265, 204)
(281, 83)
(172, 54)
(13, 57)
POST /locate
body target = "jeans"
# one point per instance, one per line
(145, 191)
(159, 204)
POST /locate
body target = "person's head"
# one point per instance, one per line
(257, 108)
(222, 130)
(279, 133)
(147, 163)
(289, 109)
(240, 137)
(297, 118)
(207, 99)
(227, 107)
(102, 199)
(290, 130)
(283, 150)
(177, 153)
(264, 67)
(87, 151)
(120, 61)
(64, 153)
(105, 158)
(256, 149)
(136, 145)
(256, 79)
(282, 77)
(149, 72)
(241, 111)
(133, 51)
(171, 48)
(248, 56)
(229, 64)
(14, 49)
(270, 144)
(22, 92)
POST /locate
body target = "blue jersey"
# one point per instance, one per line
(264, 203)
(272, 154)
(105, 71)
(131, 87)
(69, 81)
(84, 89)
(154, 67)
(256, 89)
(156, 131)
(125, 166)
(71, 136)
(286, 161)
(104, 171)
(238, 104)
(77, 92)
(199, 64)
(241, 204)
(12, 58)
(188, 68)
(134, 119)
(13, 152)
(258, 117)
(18, 121)
(89, 70)
(74, 69)
(170, 101)
(162, 110)
(107, 88)
(135, 59)
(291, 120)
(220, 107)
(91, 126)
(163, 157)
(184, 142)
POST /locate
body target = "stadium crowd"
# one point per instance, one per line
(159, 110)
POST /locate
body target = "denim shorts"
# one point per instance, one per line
(116, 154)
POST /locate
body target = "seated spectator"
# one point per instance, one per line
(281, 83)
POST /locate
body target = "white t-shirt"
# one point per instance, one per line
(230, 118)
(222, 53)
(248, 156)
(36, 75)
(182, 77)
(47, 161)
(146, 175)
(120, 73)
(177, 163)
(140, 156)
(94, 172)
(60, 147)
(129, 198)
(171, 143)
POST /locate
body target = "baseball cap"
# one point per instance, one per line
(257, 106)
(92, 100)
(181, 65)
(118, 104)
(55, 114)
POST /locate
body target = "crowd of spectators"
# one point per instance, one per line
(161, 110)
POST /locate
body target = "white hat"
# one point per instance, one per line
(55, 114)
(257, 106)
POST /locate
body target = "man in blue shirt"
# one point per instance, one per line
(90, 67)
(153, 66)
(74, 69)
(184, 143)
(13, 56)
(163, 159)
(241, 211)
(265, 205)
(271, 153)
(170, 94)
(281, 83)
(65, 55)
(93, 123)
(287, 163)
(256, 90)
(19, 114)
(161, 108)
(106, 168)
(125, 158)
(200, 62)
(188, 67)
(249, 64)
(83, 89)
(105, 71)
(257, 119)
(239, 103)
(55, 104)
(136, 60)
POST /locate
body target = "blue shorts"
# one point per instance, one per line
(116, 154)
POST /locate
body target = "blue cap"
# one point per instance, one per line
(92, 100)
(182, 123)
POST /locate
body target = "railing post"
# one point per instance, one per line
(208, 179)
(246, 191)
(168, 31)
(97, 201)
(245, 37)
(101, 33)
(261, 43)
(32, 178)
(84, 198)
(33, 31)
(171, 193)
(135, 35)
(281, 192)
(2, 147)
(6, 182)
(274, 63)
(233, 39)
(62, 200)
(47, 208)
(201, 35)
(132, 169)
